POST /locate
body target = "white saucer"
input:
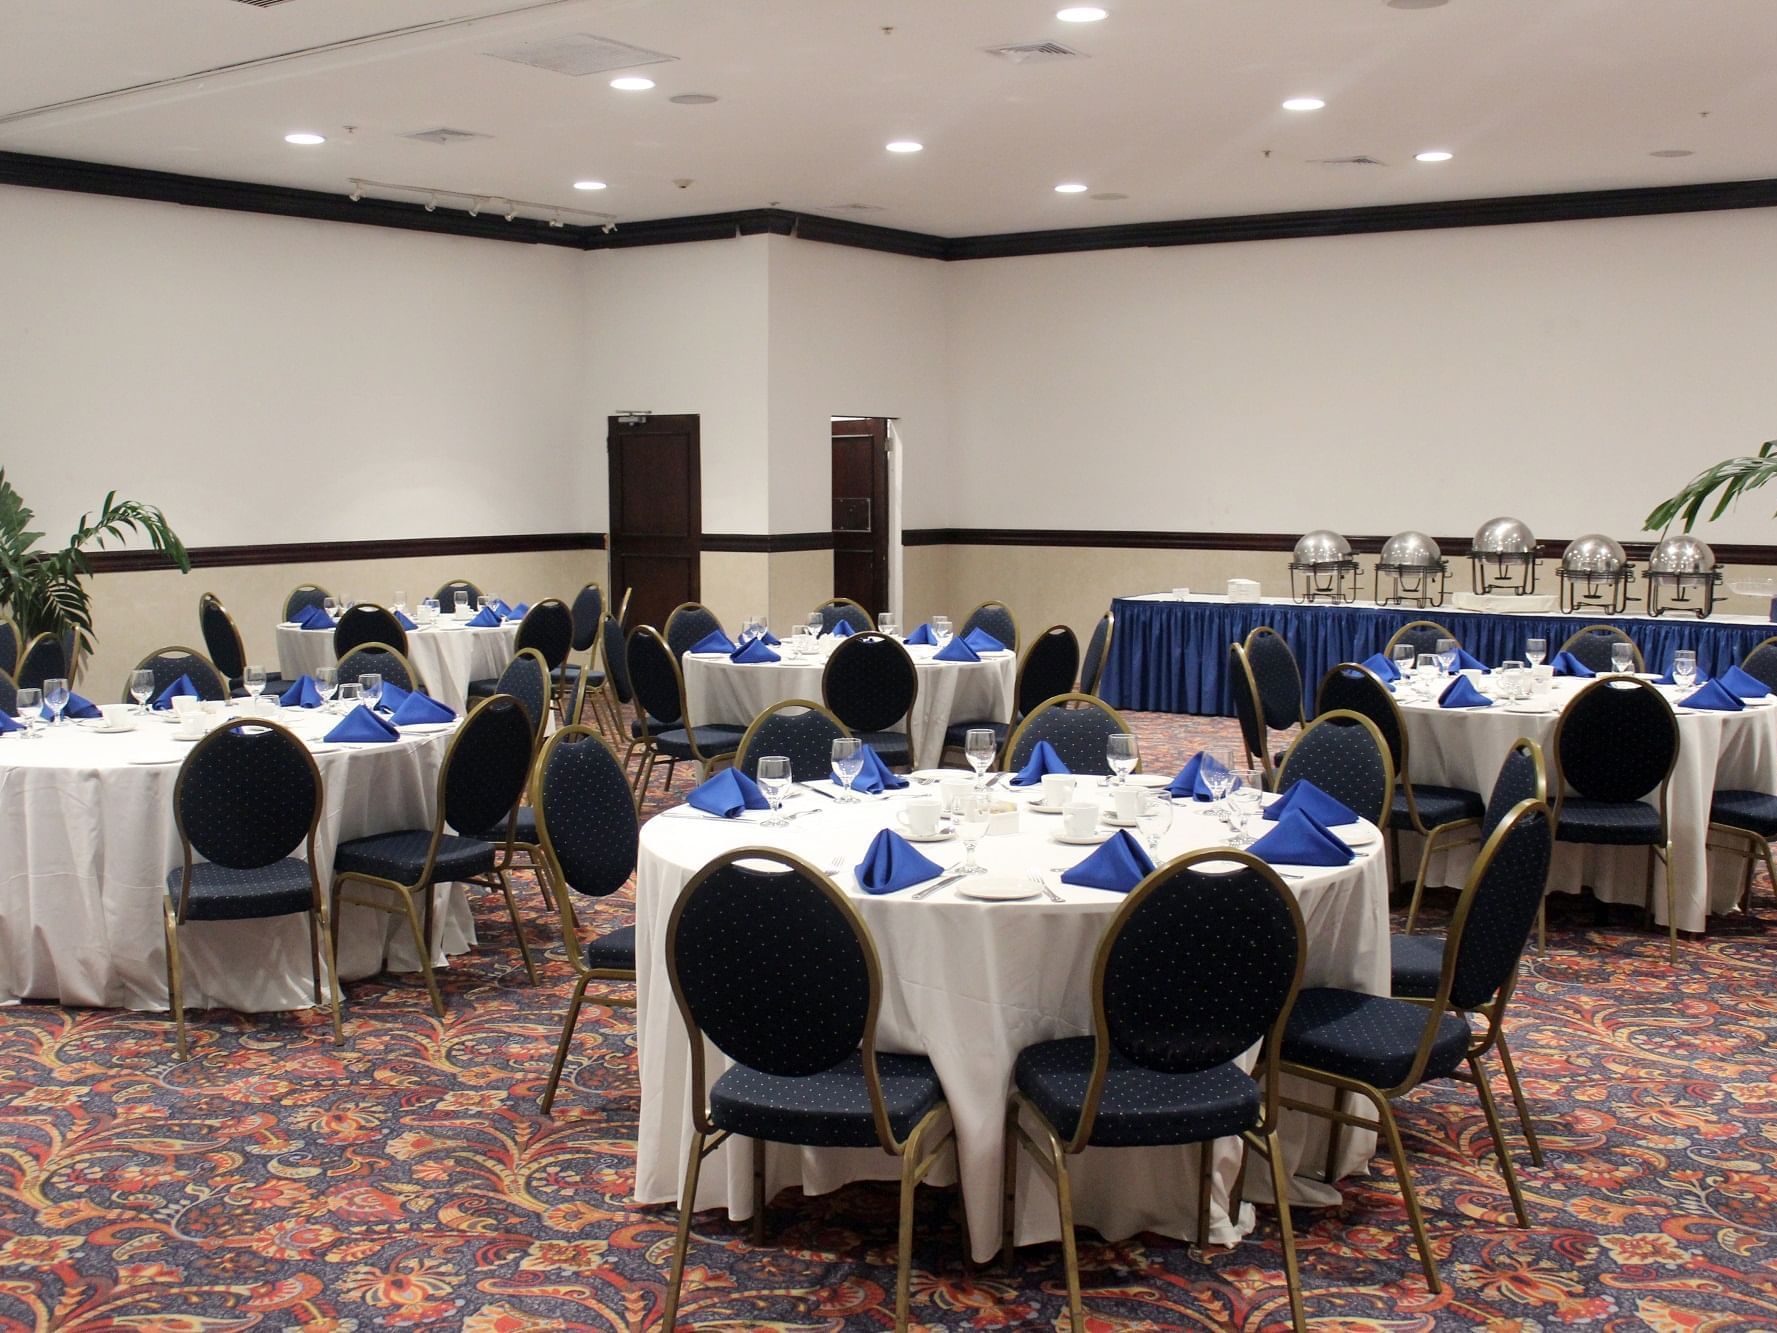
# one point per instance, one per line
(1038, 808)
(112, 730)
(1359, 837)
(941, 774)
(997, 888)
(910, 836)
(1090, 840)
(1763, 701)
(1149, 780)
(1108, 817)
(1529, 708)
(424, 728)
(323, 747)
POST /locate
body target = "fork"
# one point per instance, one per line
(1043, 884)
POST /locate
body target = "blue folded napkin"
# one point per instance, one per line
(393, 697)
(874, 776)
(1467, 661)
(1301, 840)
(181, 686)
(362, 725)
(1566, 664)
(314, 617)
(924, 634)
(520, 611)
(983, 642)
(1303, 795)
(714, 642)
(1384, 667)
(1119, 865)
(956, 651)
(416, 707)
(1043, 759)
(78, 706)
(486, 618)
(1714, 695)
(402, 620)
(1744, 683)
(7, 724)
(754, 650)
(727, 794)
(303, 693)
(501, 610)
(891, 863)
(1192, 782)
(768, 637)
(842, 630)
(1461, 693)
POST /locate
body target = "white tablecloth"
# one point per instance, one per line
(1464, 747)
(86, 821)
(447, 659)
(970, 985)
(719, 690)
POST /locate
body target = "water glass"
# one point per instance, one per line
(1622, 658)
(141, 686)
(1403, 659)
(347, 602)
(1219, 778)
(350, 693)
(461, 599)
(331, 606)
(400, 602)
(980, 745)
(326, 685)
(889, 624)
(848, 761)
(1155, 817)
(941, 626)
(774, 781)
(973, 813)
(1447, 655)
(252, 680)
(1121, 754)
(481, 604)
(1514, 680)
(55, 694)
(800, 642)
(816, 622)
(1535, 650)
(1684, 668)
(370, 688)
(1426, 673)
(30, 706)
(1241, 807)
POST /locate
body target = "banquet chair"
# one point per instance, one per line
(659, 688)
(1521, 777)
(1048, 669)
(800, 730)
(586, 614)
(609, 703)
(837, 609)
(687, 623)
(10, 644)
(623, 606)
(1255, 741)
(43, 659)
(997, 619)
(222, 640)
(794, 1015)
(367, 623)
(479, 783)
(9, 695)
(1592, 646)
(1746, 819)
(384, 660)
(447, 594)
(1077, 725)
(547, 628)
(1381, 1047)
(870, 684)
(1422, 634)
(248, 797)
(1760, 663)
(1197, 967)
(1278, 678)
(1615, 744)
(526, 679)
(173, 661)
(1343, 754)
(72, 654)
(586, 832)
(1098, 652)
(1446, 816)
(302, 596)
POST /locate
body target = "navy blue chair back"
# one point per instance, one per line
(1077, 733)
(997, 619)
(487, 765)
(1616, 741)
(1508, 882)
(1592, 645)
(689, 623)
(222, 637)
(586, 814)
(10, 646)
(1048, 669)
(1278, 677)
(1344, 755)
(1761, 663)
(1521, 778)
(1097, 649)
(304, 595)
(367, 623)
(616, 655)
(836, 611)
(447, 594)
(870, 682)
(526, 680)
(1245, 692)
(800, 730)
(43, 659)
(247, 795)
(549, 628)
(388, 662)
(168, 664)
(588, 611)
(1358, 690)
(1422, 634)
(9, 694)
(654, 676)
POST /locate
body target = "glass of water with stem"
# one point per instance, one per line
(141, 686)
(774, 781)
(1684, 668)
(55, 694)
(1622, 658)
(1218, 776)
(980, 745)
(326, 685)
(1120, 753)
(1535, 651)
(252, 680)
(973, 813)
(848, 762)
(1155, 818)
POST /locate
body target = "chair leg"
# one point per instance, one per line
(904, 1232)
(1391, 851)
(1506, 1168)
(1334, 1131)
(1280, 1187)
(682, 1242)
(759, 1191)
(1505, 1058)
(1203, 1192)
(1009, 1195)
(315, 956)
(561, 1047)
(333, 996)
(1431, 845)
(175, 983)
(524, 948)
(423, 942)
(1542, 923)
(1070, 1258)
(1671, 906)
(1391, 1131)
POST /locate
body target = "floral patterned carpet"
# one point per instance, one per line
(407, 1179)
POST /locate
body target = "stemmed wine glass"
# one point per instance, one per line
(1120, 753)
(889, 624)
(1241, 806)
(1426, 672)
(941, 629)
(55, 694)
(327, 685)
(142, 685)
(848, 761)
(252, 680)
(980, 745)
(1155, 817)
(30, 706)
(1218, 776)
(973, 812)
(1447, 655)
(1622, 658)
(331, 606)
(1684, 668)
(400, 602)
(1535, 650)
(774, 781)
(816, 623)
(370, 688)
(1403, 659)
(350, 694)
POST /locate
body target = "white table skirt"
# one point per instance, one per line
(86, 819)
(970, 985)
(447, 659)
(1464, 747)
(718, 690)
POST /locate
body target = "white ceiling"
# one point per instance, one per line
(1176, 106)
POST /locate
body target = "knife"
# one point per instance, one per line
(934, 887)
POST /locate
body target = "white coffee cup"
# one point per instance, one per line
(1128, 803)
(1542, 678)
(184, 705)
(920, 816)
(1058, 789)
(1080, 819)
(191, 725)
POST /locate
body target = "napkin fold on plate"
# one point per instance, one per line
(727, 794)
(77, 706)
(393, 697)
(314, 617)
(421, 708)
(924, 634)
(1119, 864)
(303, 693)
(766, 637)
(182, 686)
(520, 611)
(1192, 782)
(7, 724)
(1302, 840)
(983, 642)
(486, 618)
(501, 610)
(402, 620)
(891, 864)
(1461, 693)
(1043, 759)
(1566, 664)
(753, 651)
(1714, 695)
(874, 776)
(1744, 683)
(1305, 796)
(714, 642)
(1467, 661)
(361, 726)
(842, 630)
(956, 651)
(1383, 667)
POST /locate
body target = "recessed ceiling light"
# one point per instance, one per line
(1081, 14)
(1071, 187)
(589, 185)
(632, 83)
(1303, 104)
(305, 139)
(904, 146)
(1433, 155)
(692, 99)
(1672, 152)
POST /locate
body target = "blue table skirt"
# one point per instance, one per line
(1172, 657)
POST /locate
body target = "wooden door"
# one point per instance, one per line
(656, 520)
(860, 511)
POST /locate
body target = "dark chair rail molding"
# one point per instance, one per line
(300, 553)
(55, 173)
(761, 543)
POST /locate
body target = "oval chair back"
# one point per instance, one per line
(997, 619)
(588, 611)
(616, 655)
(586, 815)
(1244, 691)
(800, 730)
(1761, 663)
(1098, 651)
(176, 660)
(1592, 645)
(870, 682)
(1522, 777)
(1422, 634)
(1498, 906)
(447, 594)
(367, 623)
(1278, 677)
(688, 623)
(9, 695)
(42, 659)
(526, 679)
(386, 661)
(222, 637)
(1357, 689)
(654, 676)
(486, 766)
(1077, 725)
(837, 610)
(1343, 754)
(1048, 669)
(248, 794)
(11, 643)
(549, 628)
(304, 595)
(1617, 741)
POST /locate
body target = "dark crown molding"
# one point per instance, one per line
(298, 553)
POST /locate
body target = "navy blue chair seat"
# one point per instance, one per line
(957, 733)
(228, 893)
(1372, 1038)
(1139, 1106)
(706, 742)
(652, 727)
(1618, 823)
(1416, 965)
(1437, 805)
(891, 747)
(613, 952)
(830, 1109)
(1754, 811)
(401, 856)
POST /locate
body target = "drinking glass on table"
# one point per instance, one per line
(1684, 668)
(141, 686)
(980, 745)
(30, 706)
(370, 688)
(327, 685)
(55, 694)
(400, 602)
(252, 680)
(1219, 778)
(1120, 753)
(774, 781)
(331, 606)
(347, 602)
(1622, 658)
(1403, 659)
(481, 604)
(1426, 673)
(350, 695)
(1242, 805)
(941, 627)
(973, 813)
(848, 762)
(1535, 650)
(889, 624)
(1514, 680)
(1155, 817)
(462, 602)
(1447, 655)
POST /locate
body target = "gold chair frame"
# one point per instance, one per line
(845, 646)
(1073, 700)
(1444, 632)
(1109, 620)
(1343, 715)
(783, 706)
(168, 651)
(706, 764)
(1017, 638)
(1612, 632)
(302, 587)
(413, 672)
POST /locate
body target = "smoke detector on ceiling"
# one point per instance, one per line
(444, 136)
(579, 53)
(1034, 53)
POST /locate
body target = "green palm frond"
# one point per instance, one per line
(1727, 480)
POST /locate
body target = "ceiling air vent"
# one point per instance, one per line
(578, 53)
(1031, 53)
(444, 136)
(1357, 160)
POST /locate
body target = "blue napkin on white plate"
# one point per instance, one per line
(501, 610)
(1461, 693)
(714, 642)
(182, 686)
(1744, 683)
(486, 618)
(924, 634)
(874, 776)
(520, 611)
(1384, 667)
(1119, 864)
(1192, 782)
(1714, 695)
(727, 794)
(956, 651)
(842, 630)
(1305, 796)
(1467, 661)
(361, 725)
(764, 636)
(314, 617)
(1043, 759)
(77, 706)
(393, 697)
(983, 642)
(421, 708)
(891, 863)
(402, 620)
(1301, 840)
(753, 650)
(1566, 664)
(304, 693)
(7, 724)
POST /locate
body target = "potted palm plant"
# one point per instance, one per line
(1732, 478)
(44, 590)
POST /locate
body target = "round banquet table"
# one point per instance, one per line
(1464, 747)
(718, 690)
(971, 984)
(447, 657)
(86, 818)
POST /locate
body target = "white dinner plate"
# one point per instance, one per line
(1149, 780)
(425, 728)
(940, 774)
(997, 888)
(1355, 836)
(323, 747)
(1764, 701)
(147, 762)
(1090, 840)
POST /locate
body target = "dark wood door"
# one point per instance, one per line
(860, 511)
(656, 521)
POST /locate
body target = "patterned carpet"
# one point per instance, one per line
(407, 1180)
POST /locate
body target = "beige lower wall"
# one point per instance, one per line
(784, 587)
